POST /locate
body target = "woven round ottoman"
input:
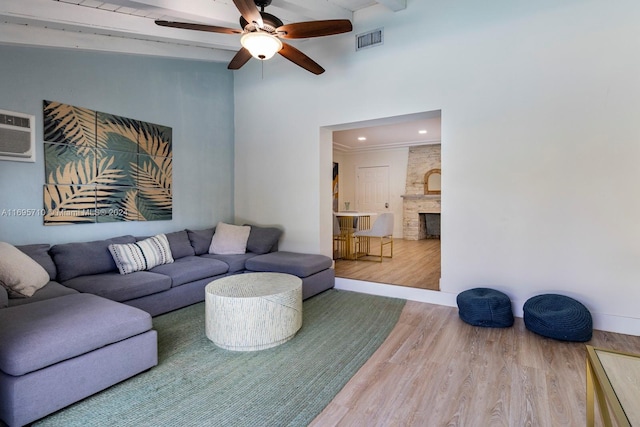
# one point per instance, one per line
(485, 307)
(558, 317)
(253, 311)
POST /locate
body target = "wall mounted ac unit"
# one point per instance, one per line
(17, 137)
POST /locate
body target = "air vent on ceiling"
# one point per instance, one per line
(370, 39)
(17, 137)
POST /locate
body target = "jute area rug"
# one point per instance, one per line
(199, 384)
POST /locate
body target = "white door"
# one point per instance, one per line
(372, 189)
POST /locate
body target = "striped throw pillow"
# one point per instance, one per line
(142, 255)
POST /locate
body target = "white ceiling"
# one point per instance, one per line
(127, 26)
(390, 132)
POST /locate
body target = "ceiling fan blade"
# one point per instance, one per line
(240, 59)
(198, 27)
(249, 11)
(301, 30)
(299, 58)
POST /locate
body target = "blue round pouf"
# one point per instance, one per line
(485, 307)
(558, 317)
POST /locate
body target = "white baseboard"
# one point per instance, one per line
(404, 292)
(602, 322)
(619, 324)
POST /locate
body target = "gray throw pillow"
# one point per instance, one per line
(180, 244)
(263, 240)
(4, 298)
(201, 240)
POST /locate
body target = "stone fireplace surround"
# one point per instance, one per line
(421, 159)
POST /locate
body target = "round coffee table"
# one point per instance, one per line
(253, 311)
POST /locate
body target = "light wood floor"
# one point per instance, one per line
(435, 370)
(415, 263)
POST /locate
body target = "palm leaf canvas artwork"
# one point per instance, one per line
(101, 167)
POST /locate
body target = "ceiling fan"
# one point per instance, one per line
(261, 34)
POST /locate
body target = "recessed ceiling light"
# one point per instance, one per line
(422, 131)
(362, 138)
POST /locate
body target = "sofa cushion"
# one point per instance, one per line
(180, 244)
(20, 275)
(47, 332)
(190, 269)
(50, 290)
(81, 259)
(4, 298)
(201, 240)
(121, 287)
(236, 262)
(301, 265)
(263, 239)
(229, 239)
(40, 254)
(142, 255)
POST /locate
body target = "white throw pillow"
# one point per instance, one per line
(20, 274)
(142, 255)
(229, 239)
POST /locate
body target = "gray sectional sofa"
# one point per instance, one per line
(91, 327)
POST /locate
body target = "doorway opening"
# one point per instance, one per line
(361, 151)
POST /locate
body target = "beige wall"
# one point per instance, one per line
(395, 159)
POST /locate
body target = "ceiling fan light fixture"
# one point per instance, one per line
(261, 45)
